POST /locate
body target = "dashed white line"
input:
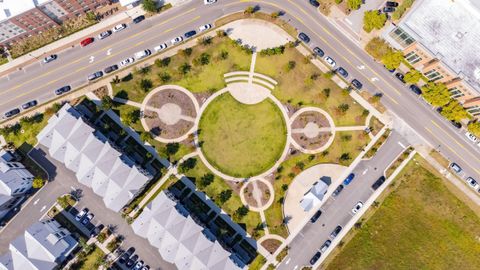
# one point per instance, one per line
(36, 201)
(43, 208)
(365, 171)
(288, 260)
(403, 146)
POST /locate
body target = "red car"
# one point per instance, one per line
(86, 41)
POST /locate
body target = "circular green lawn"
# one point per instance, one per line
(242, 140)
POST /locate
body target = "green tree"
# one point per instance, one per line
(345, 157)
(224, 55)
(326, 92)
(291, 65)
(107, 103)
(275, 14)
(165, 77)
(145, 136)
(146, 84)
(38, 182)
(454, 111)
(224, 196)
(373, 19)
(185, 68)
(249, 10)
(132, 117)
(187, 165)
(241, 212)
(205, 180)
(187, 52)
(343, 107)
(392, 59)
(354, 4)
(149, 6)
(413, 76)
(377, 48)
(436, 94)
(172, 148)
(474, 127)
(204, 59)
(163, 62)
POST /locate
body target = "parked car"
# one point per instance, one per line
(138, 265)
(132, 260)
(357, 84)
(87, 219)
(318, 51)
(209, 2)
(400, 77)
(304, 37)
(29, 104)
(86, 41)
(337, 191)
(146, 267)
(104, 34)
(456, 124)
(95, 75)
(349, 179)
(391, 4)
(415, 89)
(176, 40)
(325, 246)
(138, 19)
(63, 89)
(127, 61)
(119, 27)
(314, 3)
(330, 61)
(378, 183)
(342, 72)
(81, 214)
(471, 137)
(96, 230)
(204, 27)
(123, 258)
(357, 207)
(315, 216)
(142, 54)
(12, 112)
(389, 70)
(315, 257)
(472, 182)
(336, 231)
(160, 47)
(49, 58)
(110, 69)
(455, 167)
(190, 34)
(388, 9)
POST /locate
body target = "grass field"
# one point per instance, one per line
(93, 260)
(420, 225)
(250, 221)
(201, 78)
(242, 140)
(298, 88)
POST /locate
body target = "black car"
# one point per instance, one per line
(314, 3)
(415, 89)
(335, 232)
(342, 72)
(190, 34)
(337, 191)
(303, 37)
(378, 183)
(96, 230)
(391, 4)
(388, 9)
(400, 77)
(456, 124)
(12, 112)
(132, 260)
(62, 90)
(315, 258)
(110, 69)
(357, 84)
(95, 75)
(29, 104)
(318, 51)
(138, 19)
(316, 216)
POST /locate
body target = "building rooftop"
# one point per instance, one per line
(451, 31)
(96, 163)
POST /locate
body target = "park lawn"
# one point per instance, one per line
(300, 162)
(420, 225)
(297, 88)
(250, 221)
(201, 78)
(93, 260)
(242, 140)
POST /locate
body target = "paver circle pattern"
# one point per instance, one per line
(170, 113)
(264, 206)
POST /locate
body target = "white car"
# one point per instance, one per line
(471, 137)
(119, 27)
(204, 27)
(330, 61)
(357, 207)
(472, 183)
(142, 54)
(209, 2)
(104, 34)
(176, 40)
(81, 214)
(127, 61)
(160, 47)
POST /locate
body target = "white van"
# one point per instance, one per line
(142, 54)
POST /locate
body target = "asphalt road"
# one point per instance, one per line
(337, 211)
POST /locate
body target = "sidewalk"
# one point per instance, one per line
(70, 41)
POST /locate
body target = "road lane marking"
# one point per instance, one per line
(438, 126)
(453, 151)
(365, 171)
(401, 144)
(36, 201)
(374, 79)
(100, 50)
(288, 260)
(109, 51)
(361, 67)
(43, 208)
(92, 58)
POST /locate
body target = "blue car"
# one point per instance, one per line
(349, 179)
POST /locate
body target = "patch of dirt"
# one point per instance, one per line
(311, 143)
(158, 128)
(271, 245)
(248, 195)
(101, 92)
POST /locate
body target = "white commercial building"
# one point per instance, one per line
(96, 162)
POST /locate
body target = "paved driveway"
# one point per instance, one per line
(64, 181)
